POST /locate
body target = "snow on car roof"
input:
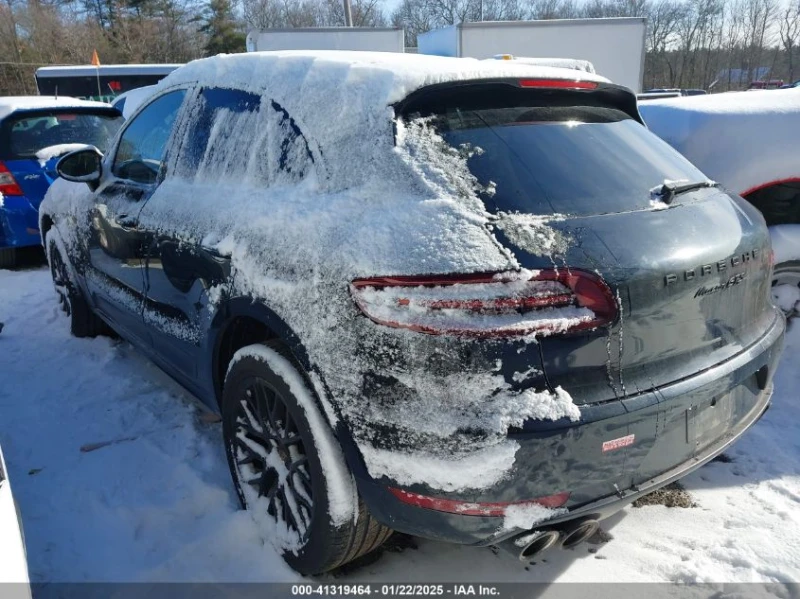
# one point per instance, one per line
(9, 104)
(338, 99)
(386, 77)
(744, 140)
(561, 63)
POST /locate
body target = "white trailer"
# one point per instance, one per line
(373, 39)
(614, 46)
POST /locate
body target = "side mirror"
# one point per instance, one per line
(82, 166)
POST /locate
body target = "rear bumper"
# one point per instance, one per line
(19, 223)
(565, 456)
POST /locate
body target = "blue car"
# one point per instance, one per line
(34, 132)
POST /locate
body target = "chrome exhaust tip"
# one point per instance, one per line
(532, 544)
(573, 534)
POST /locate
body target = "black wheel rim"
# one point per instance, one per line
(58, 269)
(271, 457)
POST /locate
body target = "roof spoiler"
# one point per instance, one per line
(517, 92)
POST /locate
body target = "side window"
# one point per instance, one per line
(219, 113)
(241, 136)
(143, 144)
(293, 155)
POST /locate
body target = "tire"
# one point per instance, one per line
(265, 387)
(8, 257)
(787, 273)
(83, 321)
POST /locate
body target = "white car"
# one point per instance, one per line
(747, 142)
(128, 102)
(13, 561)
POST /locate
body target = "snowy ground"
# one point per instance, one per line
(157, 504)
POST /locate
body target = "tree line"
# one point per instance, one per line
(708, 44)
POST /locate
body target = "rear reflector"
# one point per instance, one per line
(558, 83)
(466, 508)
(8, 185)
(489, 305)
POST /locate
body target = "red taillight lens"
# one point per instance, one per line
(475, 509)
(8, 185)
(504, 304)
(558, 83)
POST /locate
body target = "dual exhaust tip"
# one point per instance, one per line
(529, 545)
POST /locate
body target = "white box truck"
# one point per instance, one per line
(373, 39)
(614, 46)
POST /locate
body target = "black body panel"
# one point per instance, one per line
(662, 451)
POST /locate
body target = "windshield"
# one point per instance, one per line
(21, 136)
(577, 160)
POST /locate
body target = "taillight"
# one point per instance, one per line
(8, 185)
(466, 508)
(488, 305)
(558, 83)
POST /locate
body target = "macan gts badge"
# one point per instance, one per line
(720, 266)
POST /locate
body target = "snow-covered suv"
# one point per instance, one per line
(455, 298)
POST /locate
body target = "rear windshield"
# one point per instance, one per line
(24, 135)
(577, 160)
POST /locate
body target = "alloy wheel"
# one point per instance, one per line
(271, 457)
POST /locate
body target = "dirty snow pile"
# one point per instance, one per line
(334, 209)
(722, 133)
(150, 497)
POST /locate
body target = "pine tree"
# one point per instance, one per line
(220, 27)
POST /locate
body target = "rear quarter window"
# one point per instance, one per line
(243, 136)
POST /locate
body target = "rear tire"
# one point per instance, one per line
(787, 274)
(83, 321)
(274, 456)
(8, 257)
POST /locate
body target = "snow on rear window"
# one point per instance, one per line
(576, 160)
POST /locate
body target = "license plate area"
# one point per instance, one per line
(715, 417)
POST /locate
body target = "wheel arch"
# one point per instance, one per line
(240, 322)
(46, 222)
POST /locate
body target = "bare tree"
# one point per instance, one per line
(788, 30)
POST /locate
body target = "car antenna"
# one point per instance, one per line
(56, 97)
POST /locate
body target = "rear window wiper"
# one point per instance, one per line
(671, 189)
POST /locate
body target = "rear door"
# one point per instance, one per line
(117, 246)
(183, 270)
